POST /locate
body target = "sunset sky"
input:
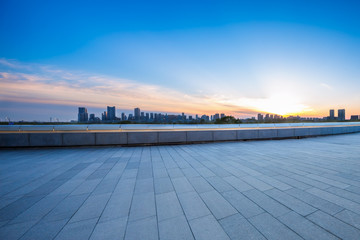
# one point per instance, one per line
(197, 57)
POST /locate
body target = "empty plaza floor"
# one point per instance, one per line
(282, 189)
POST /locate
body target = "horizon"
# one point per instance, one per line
(241, 59)
(118, 112)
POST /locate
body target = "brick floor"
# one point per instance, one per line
(284, 189)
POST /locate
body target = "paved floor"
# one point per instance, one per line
(285, 189)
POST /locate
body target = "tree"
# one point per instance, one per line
(227, 120)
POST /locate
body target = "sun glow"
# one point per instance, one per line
(281, 105)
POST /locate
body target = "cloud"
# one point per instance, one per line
(33, 83)
(13, 64)
(46, 84)
(324, 85)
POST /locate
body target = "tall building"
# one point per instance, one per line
(142, 116)
(216, 116)
(341, 115)
(222, 115)
(92, 117)
(260, 117)
(137, 114)
(332, 114)
(123, 117)
(354, 118)
(206, 117)
(83, 115)
(104, 116)
(151, 116)
(111, 113)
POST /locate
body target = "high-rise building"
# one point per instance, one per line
(83, 114)
(104, 116)
(216, 116)
(142, 116)
(92, 117)
(206, 117)
(137, 114)
(111, 113)
(332, 114)
(260, 117)
(151, 116)
(222, 115)
(341, 115)
(354, 118)
(147, 116)
(123, 117)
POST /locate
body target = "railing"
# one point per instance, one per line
(90, 127)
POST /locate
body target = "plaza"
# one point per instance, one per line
(274, 189)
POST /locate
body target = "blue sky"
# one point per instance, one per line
(237, 57)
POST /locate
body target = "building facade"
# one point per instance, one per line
(83, 115)
(341, 115)
(137, 114)
(111, 115)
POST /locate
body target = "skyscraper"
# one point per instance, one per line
(104, 116)
(111, 113)
(123, 117)
(92, 117)
(216, 116)
(142, 116)
(267, 117)
(260, 117)
(137, 114)
(332, 114)
(83, 114)
(354, 118)
(341, 115)
(222, 115)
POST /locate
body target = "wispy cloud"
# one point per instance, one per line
(46, 84)
(325, 85)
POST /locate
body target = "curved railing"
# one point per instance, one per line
(107, 127)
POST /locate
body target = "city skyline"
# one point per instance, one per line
(139, 116)
(297, 58)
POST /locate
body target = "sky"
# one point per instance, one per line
(199, 57)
